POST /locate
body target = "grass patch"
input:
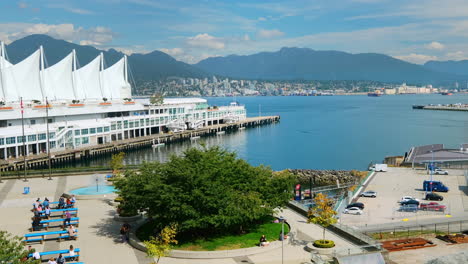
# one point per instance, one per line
(225, 242)
(405, 234)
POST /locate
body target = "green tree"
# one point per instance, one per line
(161, 245)
(205, 191)
(116, 163)
(157, 99)
(322, 213)
(12, 250)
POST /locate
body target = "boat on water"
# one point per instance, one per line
(374, 94)
(447, 93)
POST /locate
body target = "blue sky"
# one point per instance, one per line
(413, 30)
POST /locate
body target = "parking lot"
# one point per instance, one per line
(398, 182)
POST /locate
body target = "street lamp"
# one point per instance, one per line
(282, 238)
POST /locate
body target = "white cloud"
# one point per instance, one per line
(96, 36)
(175, 52)
(205, 41)
(71, 9)
(274, 33)
(457, 55)
(261, 19)
(434, 45)
(416, 58)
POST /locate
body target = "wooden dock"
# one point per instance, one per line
(72, 155)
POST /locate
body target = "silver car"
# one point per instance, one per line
(372, 194)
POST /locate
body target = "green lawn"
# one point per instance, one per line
(250, 239)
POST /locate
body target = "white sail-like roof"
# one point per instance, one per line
(113, 80)
(4, 63)
(88, 81)
(23, 79)
(58, 80)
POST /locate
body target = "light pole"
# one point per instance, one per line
(282, 238)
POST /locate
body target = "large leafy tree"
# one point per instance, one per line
(12, 250)
(205, 191)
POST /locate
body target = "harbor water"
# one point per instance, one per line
(328, 132)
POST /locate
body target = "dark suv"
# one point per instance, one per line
(408, 202)
(434, 197)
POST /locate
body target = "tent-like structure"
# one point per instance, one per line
(29, 80)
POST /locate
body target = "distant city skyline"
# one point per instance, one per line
(415, 31)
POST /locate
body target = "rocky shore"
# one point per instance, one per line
(327, 177)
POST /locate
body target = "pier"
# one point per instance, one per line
(71, 155)
(452, 107)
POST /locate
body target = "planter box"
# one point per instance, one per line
(75, 105)
(129, 103)
(42, 106)
(6, 108)
(322, 251)
(105, 103)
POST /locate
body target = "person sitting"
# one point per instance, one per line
(61, 203)
(36, 255)
(47, 212)
(71, 232)
(73, 201)
(60, 259)
(263, 241)
(36, 224)
(67, 218)
(69, 203)
(46, 202)
(71, 253)
(52, 261)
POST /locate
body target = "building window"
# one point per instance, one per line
(85, 140)
(52, 144)
(10, 140)
(2, 141)
(125, 124)
(52, 135)
(42, 136)
(99, 129)
(21, 139)
(113, 127)
(50, 120)
(32, 138)
(92, 130)
(77, 141)
(84, 131)
(77, 132)
(106, 129)
(32, 122)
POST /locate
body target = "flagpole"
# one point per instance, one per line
(48, 140)
(23, 139)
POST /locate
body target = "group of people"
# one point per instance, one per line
(41, 208)
(35, 255)
(66, 202)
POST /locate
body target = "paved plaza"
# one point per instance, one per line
(99, 239)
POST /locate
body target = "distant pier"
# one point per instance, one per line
(72, 155)
(454, 107)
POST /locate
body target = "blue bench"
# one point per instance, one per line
(71, 210)
(57, 252)
(72, 205)
(45, 223)
(40, 237)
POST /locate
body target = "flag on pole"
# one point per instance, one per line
(21, 104)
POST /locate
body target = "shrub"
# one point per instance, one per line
(324, 243)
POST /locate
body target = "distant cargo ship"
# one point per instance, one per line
(374, 94)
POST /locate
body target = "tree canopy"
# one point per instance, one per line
(322, 213)
(205, 191)
(12, 250)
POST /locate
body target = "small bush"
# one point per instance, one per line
(324, 243)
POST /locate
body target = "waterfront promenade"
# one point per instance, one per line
(99, 238)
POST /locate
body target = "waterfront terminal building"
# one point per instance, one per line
(73, 108)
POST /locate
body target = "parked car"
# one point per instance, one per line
(436, 186)
(434, 197)
(358, 205)
(408, 208)
(353, 210)
(408, 202)
(432, 206)
(406, 198)
(369, 194)
(441, 172)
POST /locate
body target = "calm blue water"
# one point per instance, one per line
(332, 132)
(92, 190)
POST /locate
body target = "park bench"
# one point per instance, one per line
(64, 252)
(46, 223)
(56, 203)
(40, 237)
(71, 210)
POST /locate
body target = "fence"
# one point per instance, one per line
(440, 228)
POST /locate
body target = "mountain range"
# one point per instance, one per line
(285, 64)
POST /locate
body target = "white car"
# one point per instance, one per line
(353, 210)
(407, 198)
(440, 172)
(372, 194)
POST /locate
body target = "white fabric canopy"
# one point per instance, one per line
(23, 79)
(113, 80)
(58, 80)
(87, 80)
(4, 63)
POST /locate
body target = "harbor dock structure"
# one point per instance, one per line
(90, 151)
(449, 107)
(438, 154)
(65, 109)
